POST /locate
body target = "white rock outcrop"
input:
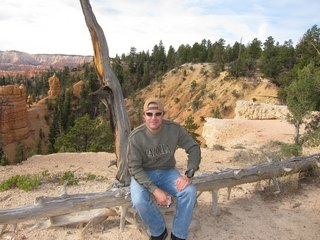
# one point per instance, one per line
(259, 111)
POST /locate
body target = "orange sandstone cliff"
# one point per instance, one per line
(13, 114)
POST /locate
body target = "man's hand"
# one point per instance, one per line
(160, 196)
(182, 182)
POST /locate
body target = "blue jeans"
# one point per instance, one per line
(150, 213)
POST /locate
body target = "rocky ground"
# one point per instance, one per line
(252, 212)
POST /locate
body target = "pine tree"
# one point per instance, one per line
(3, 159)
(303, 96)
(20, 152)
(191, 127)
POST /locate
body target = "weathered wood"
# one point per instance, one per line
(82, 217)
(233, 177)
(55, 206)
(110, 93)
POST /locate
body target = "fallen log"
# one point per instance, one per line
(270, 170)
(120, 196)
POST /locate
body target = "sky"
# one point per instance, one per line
(58, 26)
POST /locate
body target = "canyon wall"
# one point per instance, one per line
(13, 62)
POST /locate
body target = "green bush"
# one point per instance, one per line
(24, 182)
(289, 150)
(91, 177)
(28, 183)
(69, 178)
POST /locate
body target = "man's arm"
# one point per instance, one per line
(192, 148)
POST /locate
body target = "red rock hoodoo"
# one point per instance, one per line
(54, 86)
(13, 114)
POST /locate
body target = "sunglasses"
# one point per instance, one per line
(157, 114)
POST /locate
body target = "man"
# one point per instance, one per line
(154, 178)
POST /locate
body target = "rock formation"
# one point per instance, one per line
(54, 86)
(15, 60)
(29, 100)
(259, 111)
(78, 87)
(13, 114)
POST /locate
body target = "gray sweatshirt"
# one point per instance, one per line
(147, 151)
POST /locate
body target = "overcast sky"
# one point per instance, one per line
(58, 26)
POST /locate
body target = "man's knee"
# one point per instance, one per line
(190, 191)
(193, 190)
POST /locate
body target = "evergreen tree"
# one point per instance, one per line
(86, 103)
(38, 146)
(158, 59)
(104, 140)
(303, 96)
(254, 49)
(191, 127)
(118, 69)
(308, 49)
(85, 135)
(132, 60)
(20, 152)
(171, 58)
(3, 159)
(55, 127)
(269, 60)
(66, 115)
(183, 54)
(218, 52)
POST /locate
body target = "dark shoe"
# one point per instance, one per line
(173, 237)
(161, 237)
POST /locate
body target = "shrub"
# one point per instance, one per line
(193, 85)
(184, 72)
(218, 147)
(91, 176)
(311, 138)
(289, 150)
(24, 182)
(69, 177)
(216, 113)
(235, 93)
(196, 104)
(212, 96)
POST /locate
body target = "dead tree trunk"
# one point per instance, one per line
(110, 92)
(65, 204)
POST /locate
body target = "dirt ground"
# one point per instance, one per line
(250, 213)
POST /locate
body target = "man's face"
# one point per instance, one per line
(153, 118)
